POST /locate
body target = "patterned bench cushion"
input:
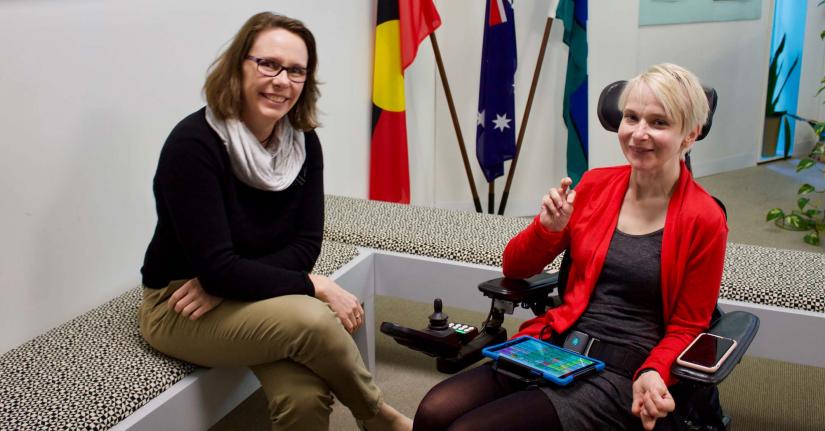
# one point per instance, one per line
(454, 235)
(759, 275)
(95, 370)
(773, 276)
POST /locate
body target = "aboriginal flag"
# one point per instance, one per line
(400, 27)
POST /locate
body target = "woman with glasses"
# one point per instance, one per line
(239, 196)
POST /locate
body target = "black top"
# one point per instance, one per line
(626, 305)
(626, 309)
(240, 242)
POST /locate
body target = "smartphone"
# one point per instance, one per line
(707, 352)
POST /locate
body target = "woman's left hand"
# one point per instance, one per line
(191, 301)
(651, 399)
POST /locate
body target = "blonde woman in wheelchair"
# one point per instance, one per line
(647, 246)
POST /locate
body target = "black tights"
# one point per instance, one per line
(482, 399)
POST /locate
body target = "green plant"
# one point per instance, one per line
(807, 216)
(777, 79)
(775, 76)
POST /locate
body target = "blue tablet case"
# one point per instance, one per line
(551, 362)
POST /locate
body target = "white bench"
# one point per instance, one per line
(784, 288)
(96, 372)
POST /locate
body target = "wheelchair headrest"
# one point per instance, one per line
(610, 116)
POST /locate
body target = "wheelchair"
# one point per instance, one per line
(457, 347)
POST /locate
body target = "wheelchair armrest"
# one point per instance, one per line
(738, 325)
(520, 290)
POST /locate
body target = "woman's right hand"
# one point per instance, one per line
(557, 206)
(344, 304)
(651, 399)
(192, 301)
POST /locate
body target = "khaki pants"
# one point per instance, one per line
(294, 344)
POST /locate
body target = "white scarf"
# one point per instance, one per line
(272, 169)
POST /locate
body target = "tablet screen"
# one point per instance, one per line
(547, 358)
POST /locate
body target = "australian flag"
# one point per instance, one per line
(496, 124)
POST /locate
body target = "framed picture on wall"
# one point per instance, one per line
(658, 12)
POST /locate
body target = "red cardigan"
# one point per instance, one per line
(693, 252)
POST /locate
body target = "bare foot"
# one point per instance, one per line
(388, 419)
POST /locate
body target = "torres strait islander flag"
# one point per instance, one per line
(496, 124)
(400, 27)
(574, 15)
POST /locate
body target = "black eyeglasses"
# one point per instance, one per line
(272, 69)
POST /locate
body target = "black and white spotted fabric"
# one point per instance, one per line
(773, 276)
(454, 235)
(88, 373)
(333, 256)
(755, 274)
(95, 370)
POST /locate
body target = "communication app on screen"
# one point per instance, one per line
(555, 362)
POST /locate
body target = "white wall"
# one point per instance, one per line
(542, 160)
(730, 56)
(90, 90)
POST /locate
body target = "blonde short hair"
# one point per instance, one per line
(678, 90)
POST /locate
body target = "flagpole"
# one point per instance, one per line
(456, 126)
(491, 197)
(547, 26)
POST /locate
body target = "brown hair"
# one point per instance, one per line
(224, 83)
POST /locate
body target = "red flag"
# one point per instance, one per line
(401, 25)
(418, 19)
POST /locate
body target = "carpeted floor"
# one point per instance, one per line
(749, 193)
(760, 395)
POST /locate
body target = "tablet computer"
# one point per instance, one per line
(541, 358)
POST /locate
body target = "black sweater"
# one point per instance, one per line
(240, 242)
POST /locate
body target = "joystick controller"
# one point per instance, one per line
(438, 320)
(458, 345)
